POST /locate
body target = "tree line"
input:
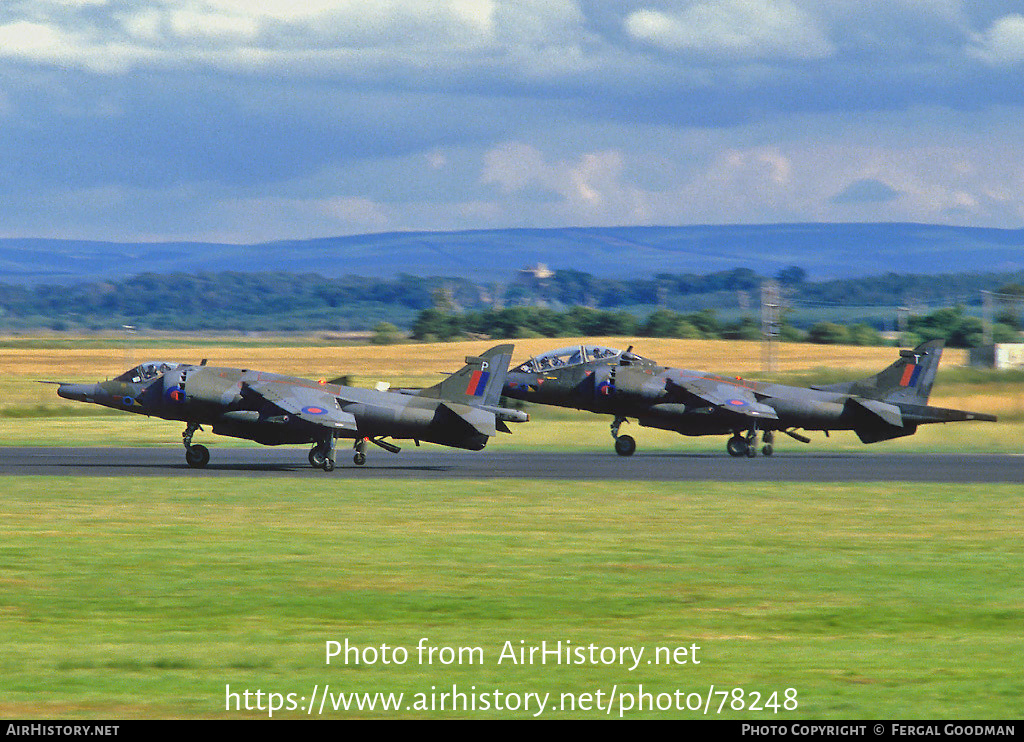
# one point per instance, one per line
(953, 325)
(570, 302)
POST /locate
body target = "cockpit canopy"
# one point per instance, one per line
(576, 354)
(145, 371)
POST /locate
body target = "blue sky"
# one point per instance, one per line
(243, 121)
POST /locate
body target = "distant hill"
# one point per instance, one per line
(825, 251)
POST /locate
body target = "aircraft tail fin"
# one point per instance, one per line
(908, 380)
(479, 382)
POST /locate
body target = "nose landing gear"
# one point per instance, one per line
(195, 456)
(624, 444)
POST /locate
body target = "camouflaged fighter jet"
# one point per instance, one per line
(462, 411)
(889, 405)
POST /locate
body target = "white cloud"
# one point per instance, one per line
(900, 178)
(246, 219)
(590, 188)
(350, 211)
(200, 24)
(436, 159)
(144, 25)
(513, 166)
(745, 29)
(314, 37)
(30, 40)
(755, 168)
(50, 44)
(1002, 44)
(284, 10)
(75, 3)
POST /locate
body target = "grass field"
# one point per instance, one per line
(146, 598)
(127, 599)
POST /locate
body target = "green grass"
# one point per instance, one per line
(144, 597)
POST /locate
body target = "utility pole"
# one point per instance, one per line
(129, 345)
(902, 322)
(769, 326)
(986, 317)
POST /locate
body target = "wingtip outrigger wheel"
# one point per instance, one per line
(359, 457)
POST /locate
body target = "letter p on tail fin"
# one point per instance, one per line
(477, 383)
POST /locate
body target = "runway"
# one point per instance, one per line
(436, 463)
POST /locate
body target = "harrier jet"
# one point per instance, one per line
(891, 404)
(461, 411)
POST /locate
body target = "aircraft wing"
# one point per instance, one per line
(731, 397)
(315, 406)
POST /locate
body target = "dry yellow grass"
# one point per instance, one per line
(423, 359)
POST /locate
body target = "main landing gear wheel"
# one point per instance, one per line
(625, 445)
(197, 456)
(769, 440)
(321, 456)
(751, 444)
(736, 446)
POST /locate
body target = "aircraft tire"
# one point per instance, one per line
(359, 459)
(328, 464)
(767, 449)
(736, 446)
(316, 458)
(625, 445)
(197, 456)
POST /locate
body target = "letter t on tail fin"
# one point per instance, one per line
(907, 380)
(477, 383)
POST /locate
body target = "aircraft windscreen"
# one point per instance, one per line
(570, 356)
(145, 371)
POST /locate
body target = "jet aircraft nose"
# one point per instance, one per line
(78, 392)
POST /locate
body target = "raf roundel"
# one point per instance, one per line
(736, 403)
(314, 410)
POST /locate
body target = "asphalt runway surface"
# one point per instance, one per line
(438, 463)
